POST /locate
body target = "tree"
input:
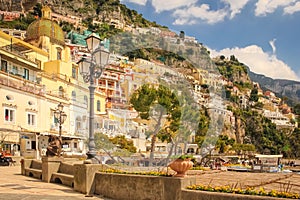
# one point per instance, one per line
(296, 109)
(37, 10)
(243, 148)
(123, 143)
(116, 146)
(102, 142)
(223, 142)
(254, 95)
(158, 104)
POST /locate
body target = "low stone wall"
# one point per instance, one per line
(139, 187)
(87, 179)
(66, 168)
(203, 195)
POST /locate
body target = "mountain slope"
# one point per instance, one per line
(282, 88)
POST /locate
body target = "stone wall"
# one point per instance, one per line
(88, 180)
(140, 187)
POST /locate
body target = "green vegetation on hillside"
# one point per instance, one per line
(234, 71)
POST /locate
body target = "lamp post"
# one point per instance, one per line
(91, 68)
(61, 117)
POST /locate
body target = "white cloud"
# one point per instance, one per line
(191, 14)
(165, 5)
(264, 7)
(235, 6)
(202, 12)
(292, 9)
(259, 61)
(184, 21)
(140, 2)
(272, 44)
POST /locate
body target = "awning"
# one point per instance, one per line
(9, 137)
(63, 136)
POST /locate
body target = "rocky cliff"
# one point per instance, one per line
(281, 87)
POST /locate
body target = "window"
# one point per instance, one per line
(58, 53)
(85, 99)
(4, 65)
(97, 125)
(78, 123)
(61, 91)
(9, 115)
(26, 74)
(74, 72)
(73, 95)
(98, 106)
(31, 119)
(15, 70)
(75, 145)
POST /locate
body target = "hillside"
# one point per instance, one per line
(282, 88)
(104, 10)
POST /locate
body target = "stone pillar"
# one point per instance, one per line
(25, 163)
(84, 177)
(173, 187)
(50, 165)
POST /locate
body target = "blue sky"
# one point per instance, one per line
(263, 34)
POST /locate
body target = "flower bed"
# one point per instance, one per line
(150, 173)
(247, 191)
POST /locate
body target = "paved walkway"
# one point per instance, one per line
(15, 186)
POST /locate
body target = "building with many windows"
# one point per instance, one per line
(35, 76)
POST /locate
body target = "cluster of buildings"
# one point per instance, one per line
(39, 71)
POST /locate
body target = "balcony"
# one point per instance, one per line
(19, 83)
(105, 76)
(103, 86)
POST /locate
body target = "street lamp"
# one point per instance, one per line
(61, 117)
(91, 69)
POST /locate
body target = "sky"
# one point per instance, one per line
(263, 34)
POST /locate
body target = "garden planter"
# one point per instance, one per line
(181, 166)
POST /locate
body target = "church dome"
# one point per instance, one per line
(45, 27)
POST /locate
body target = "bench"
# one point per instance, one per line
(65, 175)
(61, 178)
(35, 169)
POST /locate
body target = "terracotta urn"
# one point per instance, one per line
(181, 166)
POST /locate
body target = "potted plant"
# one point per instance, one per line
(181, 165)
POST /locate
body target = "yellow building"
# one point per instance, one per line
(35, 76)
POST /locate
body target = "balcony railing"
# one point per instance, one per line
(19, 83)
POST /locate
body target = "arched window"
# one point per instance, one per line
(98, 105)
(61, 91)
(73, 95)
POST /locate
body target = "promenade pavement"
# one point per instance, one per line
(15, 186)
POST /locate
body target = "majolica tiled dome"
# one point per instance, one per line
(45, 27)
